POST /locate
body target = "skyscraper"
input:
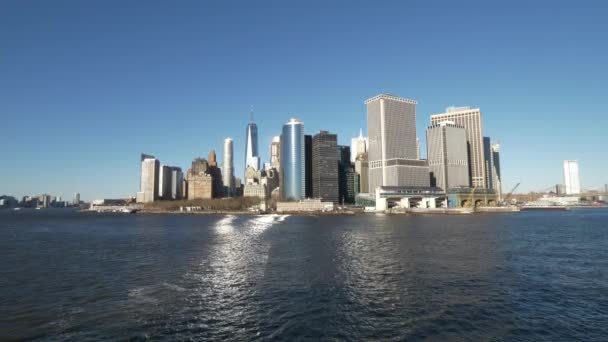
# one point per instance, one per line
(275, 152)
(496, 179)
(358, 146)
(447, 155)
(251, 146)
(164, 182)
(216, 174)
(487, 159)
(346, 175)
(470, 119)
(308, 181)
(177, 179)
(76, 199)
(292, 160)
(391, 127)
(325, 177)
(149, 179)
(228, 167)
(571, 177)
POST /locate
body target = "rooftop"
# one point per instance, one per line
(389, 97)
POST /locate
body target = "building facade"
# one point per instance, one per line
(308, 181)
(362, 172)
(251, 146)
(292, 160)
(275, 152)
(447, 156)
(470, 119)
(164, 182)
(571, 177)
(487, 159)
(228, 167)
(391, 125)
(177, 179)
(496, 178)
(325, 178)
(358, 146)
(149, 179)
(199, 181)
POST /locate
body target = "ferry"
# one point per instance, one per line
(543, 205)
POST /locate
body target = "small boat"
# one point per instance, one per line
(128, 210)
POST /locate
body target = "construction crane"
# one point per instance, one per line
(506, 199)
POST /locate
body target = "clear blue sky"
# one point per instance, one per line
(86, 86)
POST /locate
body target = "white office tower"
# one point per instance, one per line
(447, 155)
(358, 146)
(470, 119)
(149, 179)
(228, 167)
(391, 128)
(76, 199)
(571, 177)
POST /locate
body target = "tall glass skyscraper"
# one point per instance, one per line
(251, 147)
(292, 160)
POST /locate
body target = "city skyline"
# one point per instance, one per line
(105, 100)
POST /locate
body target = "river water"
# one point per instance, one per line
(526, 276)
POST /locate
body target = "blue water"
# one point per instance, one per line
(495, 277)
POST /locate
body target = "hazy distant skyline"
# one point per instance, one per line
(88, 86)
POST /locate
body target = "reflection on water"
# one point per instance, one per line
(75, 276)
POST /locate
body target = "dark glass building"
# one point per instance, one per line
(325, 179)
(308, 166)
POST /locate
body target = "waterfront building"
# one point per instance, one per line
(307, 205)
(216, 174)
(391, 123)
(44, 201)
(199, 181)
(496, 179)
(251, 146)
(362, 172)
(149, 179)
(228, 167)
(76, 200)
(571, 177)
(447, 155)
(358, 146)
(253, 184)
(487, 158)
(325, 178)
(271, 179)
(346, 176)
(308, 181)
(176, 183)
(293, 160)
(164, 182)
(470, 119)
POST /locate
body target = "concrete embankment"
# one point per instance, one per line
(497, 209)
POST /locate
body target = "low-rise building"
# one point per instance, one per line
(307, 205)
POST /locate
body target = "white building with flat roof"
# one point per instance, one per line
(571, 177)
(470, 119)
(392, 151)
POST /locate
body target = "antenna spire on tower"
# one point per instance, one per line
(251, 114)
